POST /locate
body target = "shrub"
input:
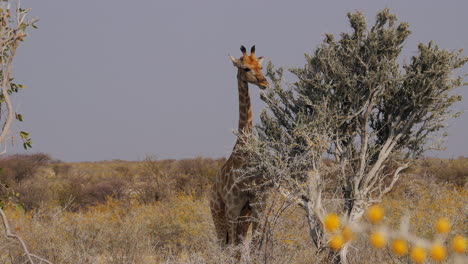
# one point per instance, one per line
(157, 182)
(61, 168)
(196, 175)
(99, 192)
(18, 167)
(78, 192)
(454, 171)
(33, 193)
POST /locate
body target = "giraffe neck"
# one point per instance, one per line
(245, 108)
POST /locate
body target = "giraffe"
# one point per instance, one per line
(232, 204)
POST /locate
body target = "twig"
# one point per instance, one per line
(9, 234)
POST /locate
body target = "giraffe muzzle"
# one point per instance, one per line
(263, 85)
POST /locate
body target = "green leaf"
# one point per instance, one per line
(19, 117)
(24, 135)
(27, 145)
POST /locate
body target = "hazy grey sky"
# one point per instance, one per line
(113, 79)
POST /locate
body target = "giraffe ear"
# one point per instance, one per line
(260, 60)
(234, 61)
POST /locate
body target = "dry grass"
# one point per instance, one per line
(157, 212)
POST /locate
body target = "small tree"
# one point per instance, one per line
(353, 120)
(13, 27)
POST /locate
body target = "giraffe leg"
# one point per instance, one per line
(258, 234)
(243, 223)
(237, 226)
(256, 231)
(232, 231)
(218, 212)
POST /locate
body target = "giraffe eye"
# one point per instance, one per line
(246, 69)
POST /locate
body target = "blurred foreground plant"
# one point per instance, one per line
(399, 240)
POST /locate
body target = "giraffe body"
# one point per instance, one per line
(233, 204)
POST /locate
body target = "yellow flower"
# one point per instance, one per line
(336, 242)
(399, 247)
(442, 225)
(377, 240)
(332, 222)
(459, 244)
(347, 233)
(418, 254)
(438, 252)
(375, 213)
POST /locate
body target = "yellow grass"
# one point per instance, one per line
(176, 227)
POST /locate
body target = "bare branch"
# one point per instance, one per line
(10, 234)
(396, 176)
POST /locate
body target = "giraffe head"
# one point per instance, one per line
(250, 68)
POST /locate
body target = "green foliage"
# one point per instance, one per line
(354, 102)
(356, 85)
(13, 30)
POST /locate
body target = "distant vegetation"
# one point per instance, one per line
(39, 180)
(155, 211)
